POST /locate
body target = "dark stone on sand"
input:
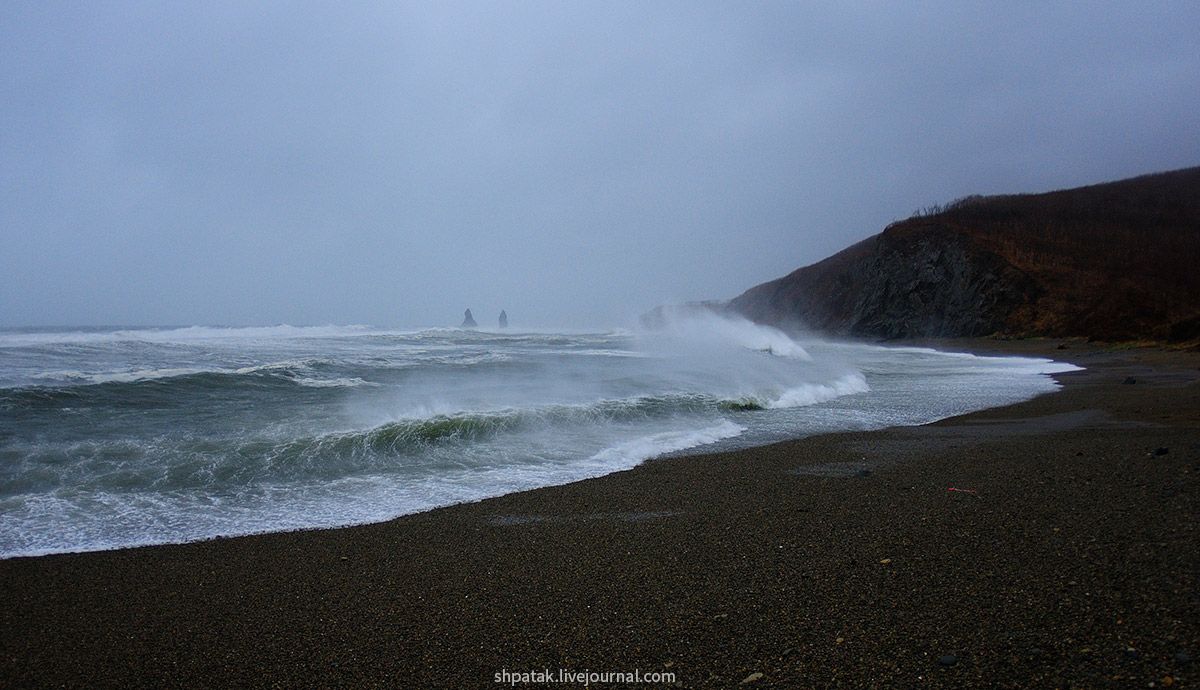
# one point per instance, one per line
(468, 320)
(1129, 380)
(1161, 451)
(1182, 657)
(863, 473)
(948, 660)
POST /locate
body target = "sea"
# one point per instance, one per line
(121, 437)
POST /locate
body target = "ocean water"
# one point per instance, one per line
(121, 437)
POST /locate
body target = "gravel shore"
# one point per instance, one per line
(1053, 543)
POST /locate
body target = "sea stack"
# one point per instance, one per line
(468, 320)
(503, 319)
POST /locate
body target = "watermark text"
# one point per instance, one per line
(585, 678)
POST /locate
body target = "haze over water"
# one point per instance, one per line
(113, 438)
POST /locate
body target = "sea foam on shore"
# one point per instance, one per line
(113, 438)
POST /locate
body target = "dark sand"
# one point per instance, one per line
(1076, 565)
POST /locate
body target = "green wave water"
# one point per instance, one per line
(121, 437)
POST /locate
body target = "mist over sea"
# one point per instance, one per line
(113, 438)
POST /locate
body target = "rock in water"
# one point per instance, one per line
(503, 319)
(468, 320)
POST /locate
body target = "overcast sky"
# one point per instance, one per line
(177, 163)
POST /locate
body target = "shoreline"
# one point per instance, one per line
(727, 434)
(832, 559)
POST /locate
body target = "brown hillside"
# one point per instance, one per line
(1115, 261)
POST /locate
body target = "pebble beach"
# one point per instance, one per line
(1052, 543)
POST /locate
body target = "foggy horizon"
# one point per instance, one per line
(393, 165)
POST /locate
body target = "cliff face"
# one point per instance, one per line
(1119, 261)
(910, 282)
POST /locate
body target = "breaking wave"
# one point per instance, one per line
(120, 437)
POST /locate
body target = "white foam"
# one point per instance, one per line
(704, 328)
(575, 408)
(646, 447)
(54, 524)
(597, 353)
(75, 376)
(187, 334)
(347, 382)
(814, 393)
(282, 331)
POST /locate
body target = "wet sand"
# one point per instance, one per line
(1067, 555)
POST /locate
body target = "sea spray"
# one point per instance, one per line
(707, 332)
(120, 437)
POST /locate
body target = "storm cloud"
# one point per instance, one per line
(572, 163)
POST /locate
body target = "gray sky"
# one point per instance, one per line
(177, 163)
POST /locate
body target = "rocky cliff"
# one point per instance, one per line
(1118, 261)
